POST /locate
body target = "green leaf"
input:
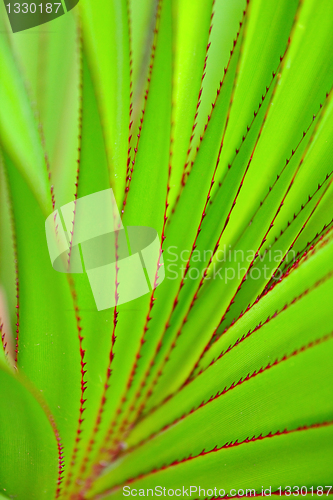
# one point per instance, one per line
(46, 323)
(106, 40)
(267, 162)
(216, 132)
(7, 264)
(17, 120)
(187, 216)
(293, 187)
(236, 364)
(304, 277)
(256, 340)
(269, 402)
(225, 26)
(54, 94)
(146, 199)
(141, 25)
(287, 459)
(28, 445)
(145, 206)
(191, 52)
(96, 326)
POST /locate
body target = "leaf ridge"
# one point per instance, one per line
(16, 267)
(242, 380)
(248, 128)
(199, 97)
(95, 430)
(75, 451)
(235, 41)
(148, 317)
(60, 448)
(308, 254)
(320, 186)
(268, 289)
(3, 339)
(129, 17)
(310, 244)
(215, 334)
(234, 202)
(145, 329)
(307, 291)
(98, 468)
(217, 449)
(199, 229)
(83, 387)
(152, 57)
(173, 345)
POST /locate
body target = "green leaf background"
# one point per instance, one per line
(212, 122)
